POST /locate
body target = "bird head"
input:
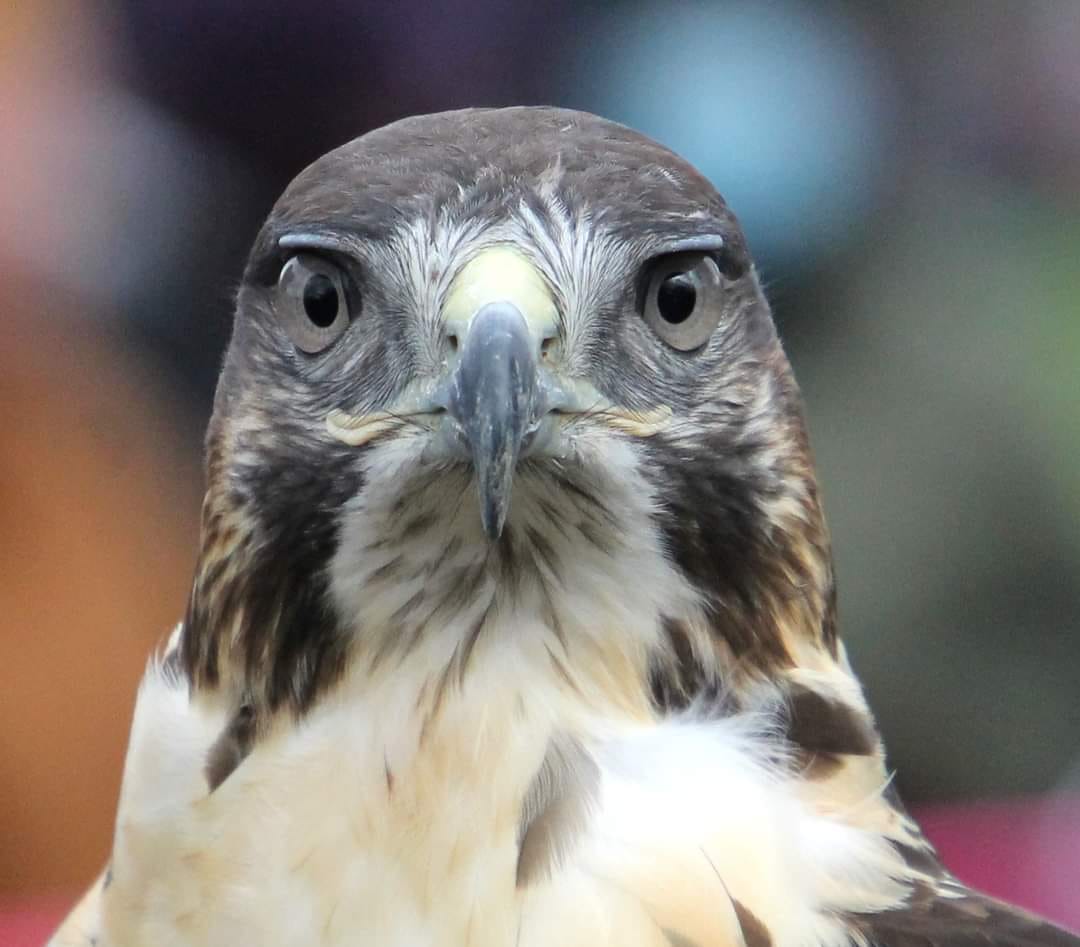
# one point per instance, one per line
(499, 336)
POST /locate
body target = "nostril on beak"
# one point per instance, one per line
(452, 344)
(549, 347)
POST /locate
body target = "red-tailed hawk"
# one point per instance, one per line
(514, 618)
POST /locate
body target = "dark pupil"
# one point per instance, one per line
(321, 300)
(676, 297)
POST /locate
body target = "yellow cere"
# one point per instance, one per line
(500, 274)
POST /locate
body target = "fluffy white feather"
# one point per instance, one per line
(316, 838)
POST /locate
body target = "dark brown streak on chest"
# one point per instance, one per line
(230, 749)
(819, 724)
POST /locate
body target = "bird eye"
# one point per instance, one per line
(312, 302)
(683, 301)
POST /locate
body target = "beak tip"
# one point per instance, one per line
(493, 525)
(493, 510)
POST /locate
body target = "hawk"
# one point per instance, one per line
(514, 619)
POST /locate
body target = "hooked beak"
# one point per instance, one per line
(500, 311)
(495, 397)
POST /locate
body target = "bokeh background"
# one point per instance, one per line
(908, 174)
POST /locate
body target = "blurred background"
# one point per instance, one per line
(908, 174)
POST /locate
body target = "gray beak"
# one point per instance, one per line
(495, 398)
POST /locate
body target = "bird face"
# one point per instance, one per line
(509, 364)
(476, 324)
(500, 328)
